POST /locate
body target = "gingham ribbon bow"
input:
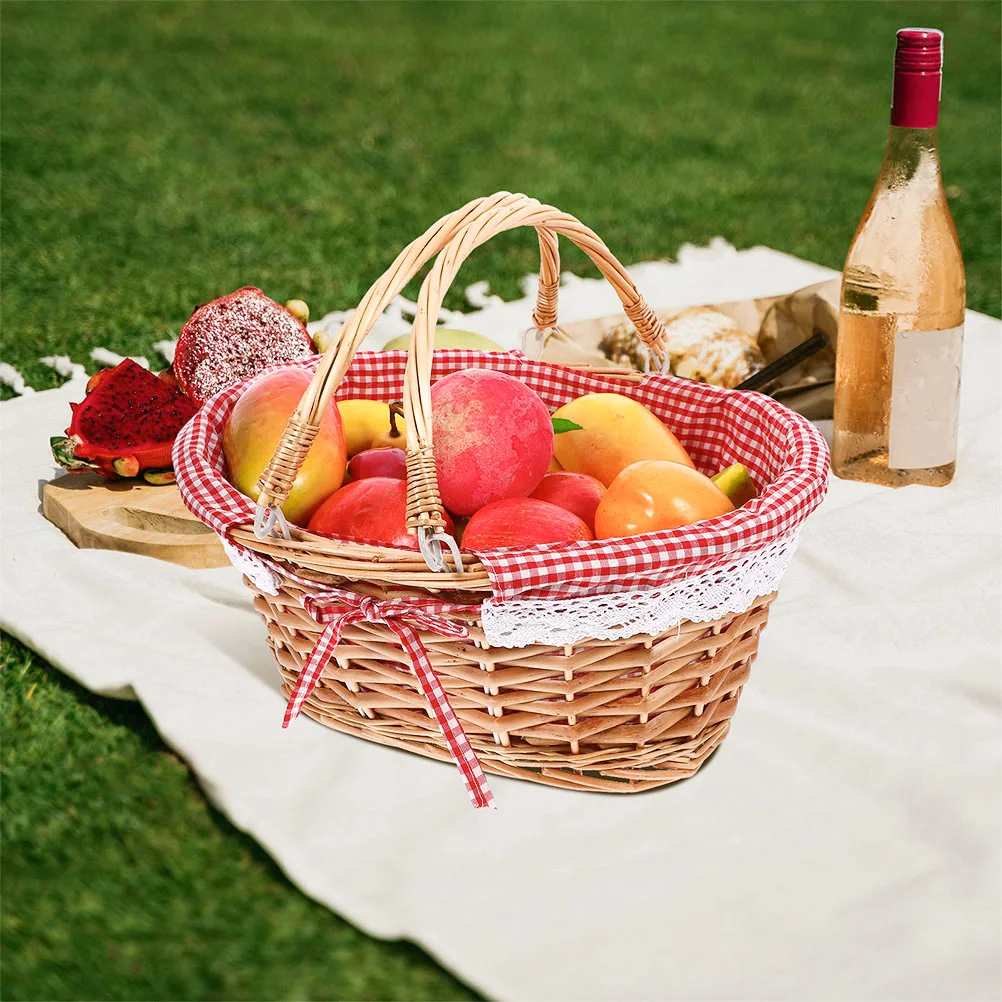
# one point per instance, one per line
(338, 609)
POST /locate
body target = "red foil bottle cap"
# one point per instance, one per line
(918, 78)
(919, 50)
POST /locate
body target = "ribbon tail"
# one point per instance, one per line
(309, 676)
(455, 737)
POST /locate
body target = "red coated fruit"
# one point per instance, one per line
(493, 438)
(127, 423)
(369, 511)
(389, 462)
(522, 522)
(254, 428)
(233, 338)
(577, 492)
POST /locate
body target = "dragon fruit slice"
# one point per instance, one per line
(126, 424)
(233, 338)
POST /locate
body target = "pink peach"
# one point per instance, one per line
(493, 438)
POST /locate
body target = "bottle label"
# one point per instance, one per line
(925, 394)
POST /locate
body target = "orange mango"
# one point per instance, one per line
(615, 432)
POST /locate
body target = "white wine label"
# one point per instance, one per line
(925, 396)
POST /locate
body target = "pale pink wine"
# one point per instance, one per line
(901, 321)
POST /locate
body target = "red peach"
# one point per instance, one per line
(388, 462)
(493, 438)
(372, 510)
(522, 522)
(577, 492)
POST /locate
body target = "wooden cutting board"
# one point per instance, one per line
(131, 516)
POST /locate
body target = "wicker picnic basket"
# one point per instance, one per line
(396, 646)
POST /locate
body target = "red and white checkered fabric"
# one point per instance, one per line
(782, 450)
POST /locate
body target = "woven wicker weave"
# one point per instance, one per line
(614, 716)
(620, 715)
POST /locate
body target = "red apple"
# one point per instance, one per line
(522, 522)
(387, 462)
(577, 492)
(372, 510)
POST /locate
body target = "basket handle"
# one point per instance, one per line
(424, 505)
(275, 483)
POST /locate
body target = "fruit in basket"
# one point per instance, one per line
(395, 435)
(654, 495)
(615, 432)
(554, 466)
(493, 438)
(447, 337)
(254, 429)
(369, 511)
(233, 338)
(523, 522)
(736, 482)
(389, 462)
(125, 424)
(577, 492)
(363, 420)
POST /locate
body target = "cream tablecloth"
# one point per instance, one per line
(844, 843)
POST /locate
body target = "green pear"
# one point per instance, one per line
(736, 482)
(447, 337)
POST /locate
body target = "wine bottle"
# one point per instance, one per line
(901, 317)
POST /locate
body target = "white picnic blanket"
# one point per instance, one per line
(843, 844)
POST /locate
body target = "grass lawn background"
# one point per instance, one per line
(155, 156)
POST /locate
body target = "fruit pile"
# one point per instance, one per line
(510, 474)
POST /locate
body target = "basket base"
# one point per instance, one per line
(617, 716)
(685, 761)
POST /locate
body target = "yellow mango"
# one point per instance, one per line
(615, 433)
(364, 421)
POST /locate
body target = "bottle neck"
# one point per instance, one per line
(910, 154)
(915, 98)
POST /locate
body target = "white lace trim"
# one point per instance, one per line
(252, 566)
(728, 589)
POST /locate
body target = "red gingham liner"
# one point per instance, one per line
(718, 427)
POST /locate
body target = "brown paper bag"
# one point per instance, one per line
(779, 322)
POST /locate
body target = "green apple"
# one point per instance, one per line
(447, 337)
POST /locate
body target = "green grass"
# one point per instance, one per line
(157, 155)
(120, 882)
